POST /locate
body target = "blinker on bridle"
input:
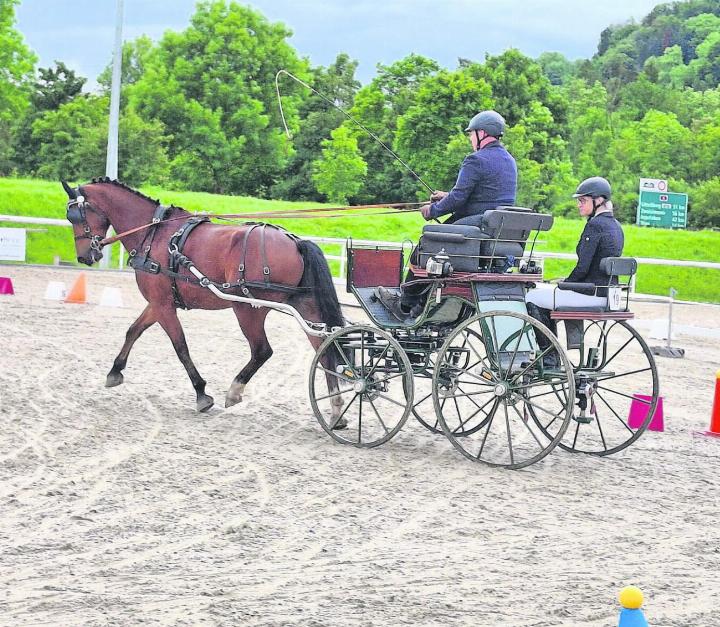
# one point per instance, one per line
(76, 215)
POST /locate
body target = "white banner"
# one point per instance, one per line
(653, 185)
(12, 244)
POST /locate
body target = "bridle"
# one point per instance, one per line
(76, 215)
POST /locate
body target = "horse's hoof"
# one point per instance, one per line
(340, 425)
(232, 400)
(204, 403)
(113, 379)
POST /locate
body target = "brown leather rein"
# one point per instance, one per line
(398, 207)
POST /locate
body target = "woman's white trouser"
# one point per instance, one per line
(548, 296)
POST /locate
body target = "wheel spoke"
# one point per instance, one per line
(392, 400)
(615, 354)
(632, 398)
(480, 357)
(496, 346)
(487, 430)
(624, 374)
(527, 426)
(378, 416)
(334, 394)
(468, 394)
(360, 420)
(517, 345)
(339, 418)
(342, 352)
(532, 363)
(379, 359)
(335, 374)
(461, 428)
(625, 424)
(391, 377)
(597, 419)
(507, 426)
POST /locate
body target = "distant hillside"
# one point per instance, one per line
(678, 39)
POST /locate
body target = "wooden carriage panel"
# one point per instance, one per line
(371, 267)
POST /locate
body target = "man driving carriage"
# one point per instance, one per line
(487, 179)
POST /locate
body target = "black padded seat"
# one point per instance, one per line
(498, 238)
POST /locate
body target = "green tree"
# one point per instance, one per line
(445, 103)
(704, 207)
(54, 87)
(318, 118)
(73, 143)
(339, 172)
(16, 71)
(213, 88)
(558, 69)
(378, 107)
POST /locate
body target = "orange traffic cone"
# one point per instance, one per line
(715, 417)
(77, 291)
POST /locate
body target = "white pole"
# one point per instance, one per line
(111, 164)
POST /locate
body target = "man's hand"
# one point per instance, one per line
(437, 195)
(425, 210)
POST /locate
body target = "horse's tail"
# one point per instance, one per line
(317, 277)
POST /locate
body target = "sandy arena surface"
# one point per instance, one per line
(124, 506)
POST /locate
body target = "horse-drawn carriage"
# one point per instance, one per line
(474, 365)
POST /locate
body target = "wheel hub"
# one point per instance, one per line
(501, 389)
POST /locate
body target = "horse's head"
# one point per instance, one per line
(89, 225)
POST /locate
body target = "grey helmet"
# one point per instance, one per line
(489, 121)
(594, 187)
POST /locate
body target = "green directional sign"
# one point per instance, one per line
(662, 209)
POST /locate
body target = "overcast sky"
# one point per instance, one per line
(81, 32)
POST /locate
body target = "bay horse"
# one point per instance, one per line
(275, 264)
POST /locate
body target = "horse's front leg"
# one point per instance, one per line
(168, 319)
(145, 320)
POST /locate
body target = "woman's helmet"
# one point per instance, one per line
(489, 121)
(594, 187)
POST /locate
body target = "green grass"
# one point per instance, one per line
(47, 199)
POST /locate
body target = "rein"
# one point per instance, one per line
(289, 214)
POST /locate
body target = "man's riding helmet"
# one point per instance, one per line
(489, 121)
(594, 187)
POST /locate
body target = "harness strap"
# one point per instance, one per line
(143, 260)
(241, 268)
(266, 268)
(175, 247)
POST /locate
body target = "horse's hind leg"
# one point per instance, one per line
(330, 360)
(168, 319)
(252, 324)
(145, 320)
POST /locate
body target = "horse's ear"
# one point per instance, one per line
(69, 190)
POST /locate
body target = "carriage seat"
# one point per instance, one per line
(492, 244)
(616, 267)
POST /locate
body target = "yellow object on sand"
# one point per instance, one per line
(631, 597)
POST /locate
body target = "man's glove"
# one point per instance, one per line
(437, 195)
(425, 210)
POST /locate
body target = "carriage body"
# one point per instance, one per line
(475, 366)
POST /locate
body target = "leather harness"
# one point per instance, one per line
(177, 260)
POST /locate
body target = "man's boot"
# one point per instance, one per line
(391, 302)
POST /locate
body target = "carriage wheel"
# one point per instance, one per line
(483, 395)
(424, 405)
(615, 376)
(374, 379)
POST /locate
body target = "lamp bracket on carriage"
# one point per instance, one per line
(438, 265)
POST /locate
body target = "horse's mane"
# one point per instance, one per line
(108, 181)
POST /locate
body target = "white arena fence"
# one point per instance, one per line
(342, 257)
